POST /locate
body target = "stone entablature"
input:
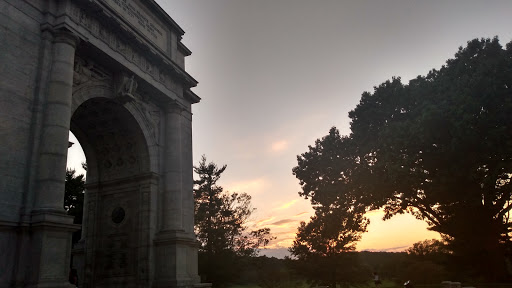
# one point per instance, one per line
(136, 15)
(97, 21)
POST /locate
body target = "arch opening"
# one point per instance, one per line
(76, 175)
(116, 194)
(113, 142)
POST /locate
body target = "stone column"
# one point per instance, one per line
(171, 204)
(191, 245)
(51, 228)
(55, 132)
(188, 173)
(175, 244)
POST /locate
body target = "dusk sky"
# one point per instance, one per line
(275, 75)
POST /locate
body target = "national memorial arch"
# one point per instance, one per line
(113, 73)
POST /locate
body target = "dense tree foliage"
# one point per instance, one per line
(439, 148)
(221, 225)
(74, 198)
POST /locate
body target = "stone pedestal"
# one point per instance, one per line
(175, 260)
(78, 261)
(50, 249)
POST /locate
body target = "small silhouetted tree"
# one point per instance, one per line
(322, 244)
(429, 247)
(221, 225)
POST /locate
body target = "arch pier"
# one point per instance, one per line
(113, 73)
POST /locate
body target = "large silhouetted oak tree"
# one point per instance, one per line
(221, 226)
(439, 148)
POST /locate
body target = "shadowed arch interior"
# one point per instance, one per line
(113, 142)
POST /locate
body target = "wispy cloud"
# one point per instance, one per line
(286, 233)
(287, 205)
(396, 249)
(262, 221)
(391, 249)
(300, 214)
(284, 221)
(279, 146)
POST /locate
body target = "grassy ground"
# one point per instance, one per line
(256, 286)
(385, 284)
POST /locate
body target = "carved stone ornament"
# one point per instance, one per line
(85, 71)
(118, 215)
(125, 88)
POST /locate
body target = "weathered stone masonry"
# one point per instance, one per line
(112, 72)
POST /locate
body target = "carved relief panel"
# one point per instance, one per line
(117, 235)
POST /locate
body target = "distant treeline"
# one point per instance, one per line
(352, 269)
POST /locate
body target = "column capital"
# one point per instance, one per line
(65, 36)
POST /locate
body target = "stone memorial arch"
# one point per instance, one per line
(113, 73)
